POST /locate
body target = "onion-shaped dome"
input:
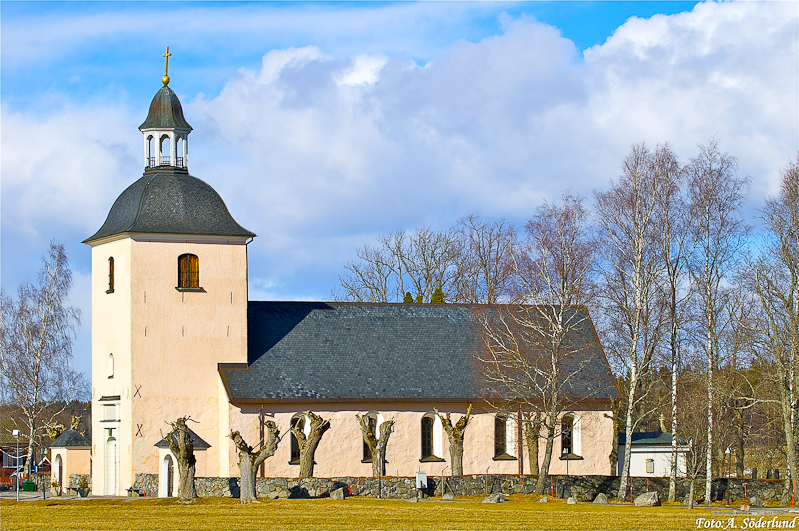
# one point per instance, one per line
(170, 202)
(165, 112)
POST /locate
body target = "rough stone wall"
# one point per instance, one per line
(584, 488)
(74, 480)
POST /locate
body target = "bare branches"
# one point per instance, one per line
(455, 435)
(308, 445)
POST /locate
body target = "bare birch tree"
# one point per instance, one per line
(628, 218)
(455, 435)
(674, 221)
(250, 459)
(419, 262)
(716, 195)
(774, 278)
(486, 260)
(36, 333)
(530, 355)
(309, 443)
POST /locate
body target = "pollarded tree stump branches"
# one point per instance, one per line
(309, 443)
(250, 459)
(455, 435)
(182, 447)
(377, 445)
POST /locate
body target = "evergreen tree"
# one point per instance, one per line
(438, 296)
(408, 298)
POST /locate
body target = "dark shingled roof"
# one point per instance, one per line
(71, 438)
(346, 351)
(651, 438)
(170, 202)
(199, 444)
(165, 111)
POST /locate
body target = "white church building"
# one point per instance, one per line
(174, 334)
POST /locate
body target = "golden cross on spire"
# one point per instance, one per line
(166, 57)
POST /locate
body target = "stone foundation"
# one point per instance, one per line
(583, 488)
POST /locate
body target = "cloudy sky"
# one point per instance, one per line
(323, 125)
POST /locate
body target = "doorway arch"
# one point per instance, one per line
(110, 468)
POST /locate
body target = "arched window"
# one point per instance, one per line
(110, 365)
(431, 437)
(427, 437)
(567, 434)
(150, 151)
(110, 275)
(297, 421)
(179, 151)
(164, 150)
(500, 435)
(367, 453)
(188, 271)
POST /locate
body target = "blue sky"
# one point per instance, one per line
(323, 125)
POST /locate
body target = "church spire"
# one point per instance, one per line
(165, 130)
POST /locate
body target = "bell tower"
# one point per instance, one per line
(166, 131)
(169, 304)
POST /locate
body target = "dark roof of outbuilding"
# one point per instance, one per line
(71, 438)
(170, 202)
(165, 111)
(360, 351)
(199, 444)
(651, 438)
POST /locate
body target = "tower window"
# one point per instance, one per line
(110, 275)
(110, 365)
(188, 271)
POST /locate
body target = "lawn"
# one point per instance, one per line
(353, 513)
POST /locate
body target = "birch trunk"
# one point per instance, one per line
(544, 473)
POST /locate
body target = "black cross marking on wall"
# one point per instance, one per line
(138, 429)
(138, 388)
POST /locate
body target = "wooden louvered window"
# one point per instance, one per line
(567, 434)
(188, 271)
(110, 275)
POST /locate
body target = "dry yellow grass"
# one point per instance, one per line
(323, 514)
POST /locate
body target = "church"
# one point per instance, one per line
(174, 334)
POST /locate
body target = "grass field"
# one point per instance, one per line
(352, 513)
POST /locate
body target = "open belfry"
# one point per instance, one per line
(174, 335)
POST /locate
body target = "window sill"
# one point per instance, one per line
(110, 420)
(432, 459)
(109, 291)
(571, 457)
(294, 462)
(366, 460)
(504, 457)
(198, 290)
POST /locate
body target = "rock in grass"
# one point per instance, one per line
(337, 494)
(754, 501)
(601, 499)
(448, 496)
(648, 499)
(571, 501)
(497, 497)
(545, 499)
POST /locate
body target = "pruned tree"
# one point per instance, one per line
(182, 447)
(376, 442)
(308, 444)
(486, 262)
(774, 279)
(530, 357)
(628, 218)
(716, 196)
(455, 435)
(36, 332)
(250, 459)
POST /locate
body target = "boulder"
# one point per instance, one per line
(497, 497)
(337, 494)
(744, 508)
(545, 499)
(601, 499)
(648, 499)
(272, 495)
(572, 501)
(448, 496)
(754, 501)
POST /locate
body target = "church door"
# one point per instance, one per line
(110, 468)
(170, 476)
(60, 472)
